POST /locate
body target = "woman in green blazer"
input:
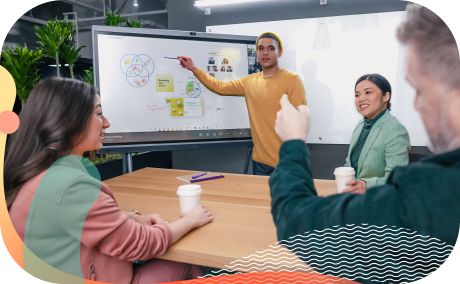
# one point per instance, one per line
(379, 142)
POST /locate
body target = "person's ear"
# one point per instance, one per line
(386, 98)
(280, 53)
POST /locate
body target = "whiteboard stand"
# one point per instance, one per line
(248, 158)
(127, 162)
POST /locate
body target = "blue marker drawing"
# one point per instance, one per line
(138, 68)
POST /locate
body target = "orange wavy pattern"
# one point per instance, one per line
(272, 278)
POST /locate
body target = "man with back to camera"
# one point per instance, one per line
(422, 197)
(262, 92)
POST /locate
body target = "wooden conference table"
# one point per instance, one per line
(242, 226)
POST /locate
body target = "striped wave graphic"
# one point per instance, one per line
(275, 277)
(362, 252)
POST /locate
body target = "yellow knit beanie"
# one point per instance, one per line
(277, 36)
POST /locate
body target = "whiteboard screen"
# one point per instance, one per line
(148, 97)
(330, 54)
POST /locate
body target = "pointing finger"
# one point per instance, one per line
(284, 98)
(303, 109)
(285, 103)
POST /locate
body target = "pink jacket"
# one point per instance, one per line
(109, 242)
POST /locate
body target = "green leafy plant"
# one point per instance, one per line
(51, 36)
(23, 67)
(89, 77)
(112, 20)
(134, 23)
(70, 54)
(102, 158)
(69, 51)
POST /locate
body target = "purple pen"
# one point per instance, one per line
(208, 178)
(197, 176)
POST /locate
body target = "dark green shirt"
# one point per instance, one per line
(368, 123)
(418, 207)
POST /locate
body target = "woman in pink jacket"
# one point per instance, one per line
(61, 210)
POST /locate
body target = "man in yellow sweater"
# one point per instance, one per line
(262, 92)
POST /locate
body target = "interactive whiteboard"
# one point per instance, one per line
(148, 97)
(330, 54)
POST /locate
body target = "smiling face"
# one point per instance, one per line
(369, 100)
(95, 130)
(268, 52)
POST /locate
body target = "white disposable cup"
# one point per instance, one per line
(342, 176)
(189, 197)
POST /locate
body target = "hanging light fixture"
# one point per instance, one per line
(135, 3)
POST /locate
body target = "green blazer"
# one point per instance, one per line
(386, 147)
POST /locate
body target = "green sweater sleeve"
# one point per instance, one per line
(296, 208)
(406, 206)
(232, 88)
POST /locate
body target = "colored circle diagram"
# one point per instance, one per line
(138, 68)
(193, 89)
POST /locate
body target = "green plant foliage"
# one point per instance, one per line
(69, 31)
(108, 157)
(134, 23)
(89, 77)
(23, 67)
(69, 51)
(51, 36)
(70, 54)
(112, 20)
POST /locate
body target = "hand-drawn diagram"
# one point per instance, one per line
(138, 68)
(193, 89)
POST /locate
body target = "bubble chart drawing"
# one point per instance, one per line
(138, 68)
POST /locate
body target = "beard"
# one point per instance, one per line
(433, 146)
(444, 140)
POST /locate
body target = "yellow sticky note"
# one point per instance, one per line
(139, 83)
(127, 61)
(165, 83)
(176, 107)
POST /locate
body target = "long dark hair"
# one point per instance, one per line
(56, 113)
(381, 82)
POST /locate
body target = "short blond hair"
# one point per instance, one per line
(434, 44)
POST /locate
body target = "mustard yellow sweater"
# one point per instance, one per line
(262, 96)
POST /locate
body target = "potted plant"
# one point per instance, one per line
(69, 51)
(112, 20)
(133, 24)
(51, 36)
(89, 77)
(70, 54)
(23, 67)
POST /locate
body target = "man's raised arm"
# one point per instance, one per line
(233, 88)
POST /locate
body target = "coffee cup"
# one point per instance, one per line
(189, 197)
(342, 176)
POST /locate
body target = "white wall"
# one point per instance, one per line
(330, 54)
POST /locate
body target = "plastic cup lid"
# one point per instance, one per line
(189, 190)
(344, 171)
